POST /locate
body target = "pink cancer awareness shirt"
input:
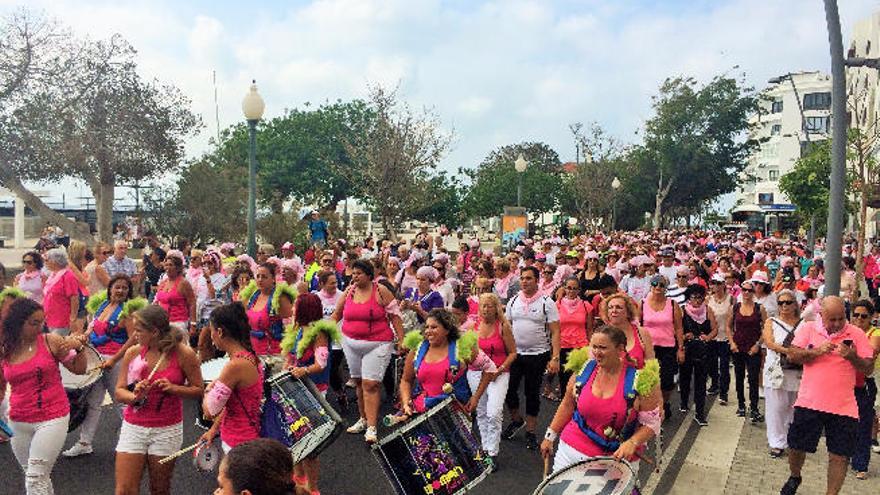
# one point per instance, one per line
(828, 380)
(37, 393)
(59, 288)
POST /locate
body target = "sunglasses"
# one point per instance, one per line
(325, 262)
(658, 284)
(106, 253)
(748, 290)
(785, 303)
(861, 315)
(28, 262)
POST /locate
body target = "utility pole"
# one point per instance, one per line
(834, 237)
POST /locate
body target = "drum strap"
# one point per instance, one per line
(454, 375)
(630, 395)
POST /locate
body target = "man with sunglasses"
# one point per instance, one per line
(327, 261)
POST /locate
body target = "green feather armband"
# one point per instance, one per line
(648, 377)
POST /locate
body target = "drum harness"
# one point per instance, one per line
(611, 444)
(117, 334)
(276, 326)
(454, 375)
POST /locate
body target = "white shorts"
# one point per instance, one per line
(367, 359)
(160, 442)
(566, 455)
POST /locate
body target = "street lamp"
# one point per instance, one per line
(615, 184)
(252, 105)
(520, 165)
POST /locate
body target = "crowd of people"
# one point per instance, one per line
(650, 322)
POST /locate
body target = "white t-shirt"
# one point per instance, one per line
(328, 306)
(637, 288)
(669, 272)
(530, 328)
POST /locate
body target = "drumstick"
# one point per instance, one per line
(180, 452)
(546, 466)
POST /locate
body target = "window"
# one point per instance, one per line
(818, 124)
(817, 101)
(765, 198)
(776, 129)
(773, 175)
(776, 107)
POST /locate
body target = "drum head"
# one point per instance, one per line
(73, 381)
(595, 476)
(211, 369)
(207, 457)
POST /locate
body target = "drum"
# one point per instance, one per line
(207, 456)
(435, 453)
(5, 431)
(297, 415)
(78, 387)
(594, 476)
(210, 371)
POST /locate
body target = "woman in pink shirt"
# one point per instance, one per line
(32, 279)
(60, 294)
(38, 408)
(154, 376)
(575, 323)
(176, 296)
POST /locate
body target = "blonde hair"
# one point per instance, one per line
(196, 253)
(76, 253)
(490, 298)
(156, 319)
(100, 246)
(632, 310)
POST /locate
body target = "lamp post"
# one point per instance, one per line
(252, 105)
(838, 152)
(520, 165)
(615, 185)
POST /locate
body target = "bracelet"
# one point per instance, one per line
(551, 435)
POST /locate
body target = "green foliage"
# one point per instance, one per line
(494, 181)
(276, 228)
(444, 205)
(808, 184)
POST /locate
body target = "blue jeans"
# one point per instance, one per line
(865, 398)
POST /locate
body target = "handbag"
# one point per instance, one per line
(783, 359)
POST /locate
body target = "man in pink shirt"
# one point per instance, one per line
(831, 351)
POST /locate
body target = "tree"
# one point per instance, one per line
(695, 145)
(101, 124)
(862, 148)
(394, 158)
(494, 181)
(445, 193)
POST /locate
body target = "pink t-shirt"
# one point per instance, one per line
(828, 380)
(56, 298)
(573, 314)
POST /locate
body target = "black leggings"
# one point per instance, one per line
(742, 363)
(336, 359)
(696, 367)
(530, 369)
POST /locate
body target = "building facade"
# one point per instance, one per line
(795, 111)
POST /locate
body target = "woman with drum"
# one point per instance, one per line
(441, 358)
(109, 337)
(268, 303)
(496, 341)
(609, 408)
(176, 296)
(236, 419)
(370, 321)
(307, 349)
(38, 407)
(154, 376)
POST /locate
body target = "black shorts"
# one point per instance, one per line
(841, 432)
(668, 360)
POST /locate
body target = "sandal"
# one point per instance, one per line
(776, 453)
(861, 475)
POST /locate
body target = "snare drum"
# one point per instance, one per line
(435, 453)
(594, 476)
(5, 431)
(78, 387)
(298, 416)
(210, 371)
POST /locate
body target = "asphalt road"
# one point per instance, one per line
(347, 466)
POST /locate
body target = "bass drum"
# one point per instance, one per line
(77, 387)
(594, 476)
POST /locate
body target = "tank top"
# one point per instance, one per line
(493, 345)
(172, 301)
(721, 310)
(160, 409)
(598, 413)
(94, 285)
(432, 376)
(746, 329)
(242, 420)
(659, 324)
(637, 353)
(573, 323)
(366, 320)
(37, 393)
(322, 379)
(791, 379)
(115, 333)
(261, 323)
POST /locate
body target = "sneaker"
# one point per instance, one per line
(875, 446)
(741, 411)
(512, 429)
(683, 408)
(351, 383)
(531, 441)
(722, 401)
(494, 467)
(700, 420)
(370, 435)
(359, 427)
(713, 390)
(790, 487)
(756, 417)
(776, 453)
(78, 449)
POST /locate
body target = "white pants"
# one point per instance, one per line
(107, 383)
(779, 411)
(367, 359)
(566, 455)
(490, 409)
(36, 447)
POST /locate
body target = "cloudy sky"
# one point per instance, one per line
(496, 72)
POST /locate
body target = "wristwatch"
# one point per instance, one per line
(550, 435)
